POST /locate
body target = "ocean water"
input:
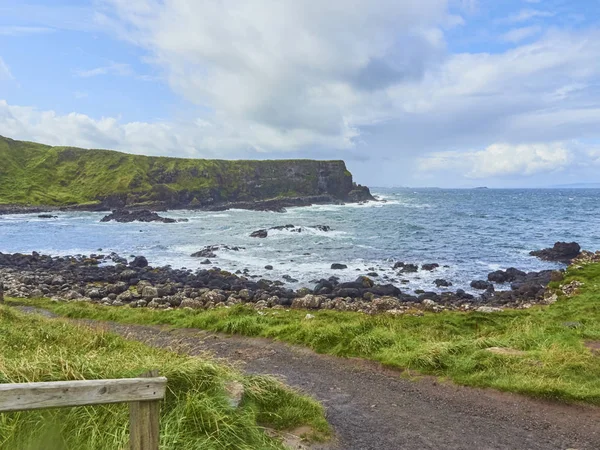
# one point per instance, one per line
(471, 231)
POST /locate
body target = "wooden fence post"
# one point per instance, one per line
(144, 422)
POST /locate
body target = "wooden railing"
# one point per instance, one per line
(142, 394)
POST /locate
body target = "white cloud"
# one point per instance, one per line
(48, 127)
(527, 14)
(520, 34)
(502, 160)
(195, 138)
(5, 71)
(23, 31)
(290, 70)
(110, 69)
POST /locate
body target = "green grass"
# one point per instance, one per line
(195, 414)
(556, 364)
(36, 174)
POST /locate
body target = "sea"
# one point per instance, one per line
(468, 232)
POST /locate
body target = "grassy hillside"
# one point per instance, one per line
(196, 413)
(36, 174)
(547, 352)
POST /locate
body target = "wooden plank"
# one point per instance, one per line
(144, 422)
(58, 394)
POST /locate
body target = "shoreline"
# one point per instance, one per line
(272, 205)
(116, 281)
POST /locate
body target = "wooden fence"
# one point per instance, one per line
(143, 395)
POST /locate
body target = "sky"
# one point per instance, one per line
(448, 93)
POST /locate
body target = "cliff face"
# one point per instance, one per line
(36, 174)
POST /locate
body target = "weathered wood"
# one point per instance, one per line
(58, 394)
(144, 423)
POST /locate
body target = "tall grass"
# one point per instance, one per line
(554, 363)
(195, 414)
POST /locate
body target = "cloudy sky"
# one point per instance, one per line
(450, 93)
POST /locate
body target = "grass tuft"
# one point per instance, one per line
(195, 414)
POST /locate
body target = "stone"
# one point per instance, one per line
(487, 309)
(571, 288)
(409, 268)
(191, 303)
(481, 285)
(259, 234)
(144, 215)
(560, 252)
(140, 262)
(307, 302)
(235, 393)
(338, 266)
(149, 292)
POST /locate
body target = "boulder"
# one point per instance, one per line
(337, 266)
(308, 302)
(409, 268)
(481, 285)
(139, 262)
(149, 292)
(143, 215)
(259, 234)
(561, 252)
(440, 282)
(191, 303)
(430, 267)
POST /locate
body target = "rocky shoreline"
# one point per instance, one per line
(116, 281)
(360, 194)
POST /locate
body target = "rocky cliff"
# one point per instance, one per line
(39, 175)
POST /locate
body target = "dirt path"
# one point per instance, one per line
(375, 408)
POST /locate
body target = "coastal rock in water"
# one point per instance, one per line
(337, 266)
(481, 285)
(292, 228)
(139, 262)
(409, 268)
(430, 267)
(440, 282)
(259, 234)
(560, 252)
(206, 252)
(47, 216)
(510, 274)
(144, 215)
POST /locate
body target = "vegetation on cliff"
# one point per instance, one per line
(35, 174)
(545, 351)
(195, 414)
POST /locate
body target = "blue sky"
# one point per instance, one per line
(420, 93)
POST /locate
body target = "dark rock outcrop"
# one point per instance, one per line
(481, 285)
(561, 252)
(259, 234)
(139, 262)
(337, 266)
(263, 233)
(142, 215)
